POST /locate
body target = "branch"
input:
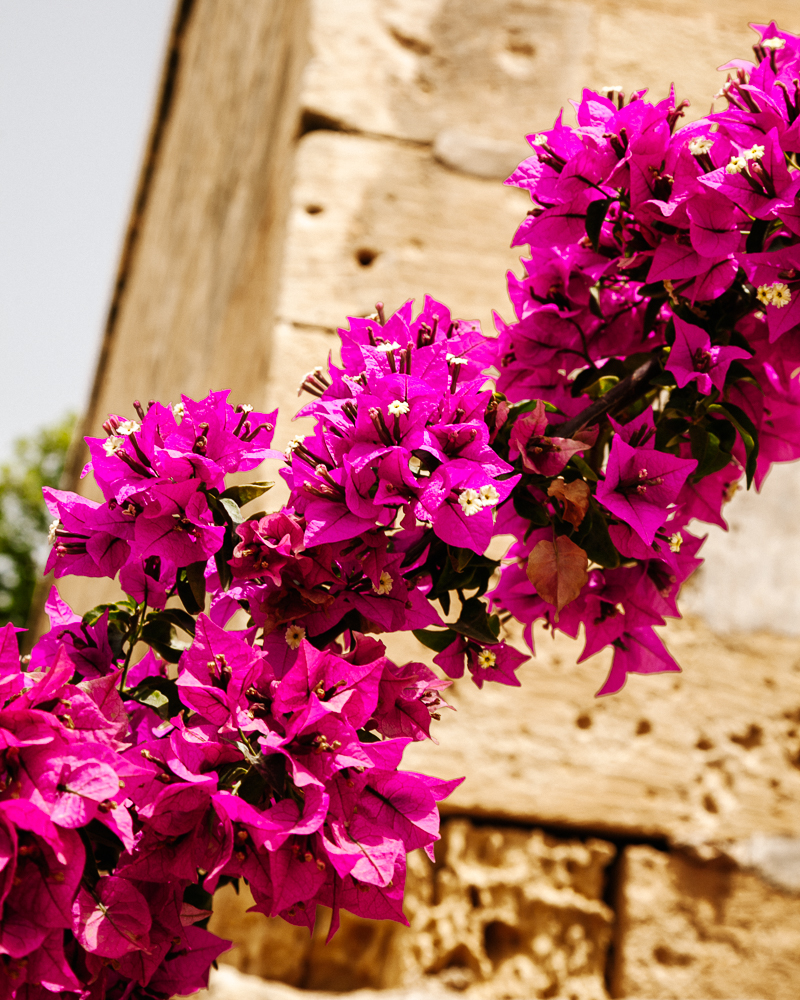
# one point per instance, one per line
(623, 392)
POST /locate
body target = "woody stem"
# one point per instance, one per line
(620, 395)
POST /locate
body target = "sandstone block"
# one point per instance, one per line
(689, 930)
(710, 755)
(499, 69)
(372, 219)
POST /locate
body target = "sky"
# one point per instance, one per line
(78, 82)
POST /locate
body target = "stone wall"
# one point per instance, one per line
(310, 157)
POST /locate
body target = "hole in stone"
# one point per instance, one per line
(501, 941)
(474, 897)
(754, 737)
(710, 804)
(584, 721)
(314, 209)
(666, 956)
(704, 743)
(643, 727)
(366, 257)
(520, 47)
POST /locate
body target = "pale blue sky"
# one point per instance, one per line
(78, 82)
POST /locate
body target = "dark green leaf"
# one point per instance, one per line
(437, 641)
(475, 623)
(595, 217)
(747, 432)
(244, 494)
(161, 636)
(584, 468)
(174, 616)
(594, 539)
(530, 509)
(192, 587)
(738, 371)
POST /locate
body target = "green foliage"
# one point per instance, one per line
(38, 461)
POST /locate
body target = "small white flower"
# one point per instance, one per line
(414, 465)
(675, 542)
(470, 502)
(294, 443)
(754, 153)
(245, 408)
(294, 636)
(51, 532)
(736, 166)
(489, 495)
(398, 407)
(386, 348)
(453, 360)
(698, 146)
(781, 295)
(178, 410)
(486, 659)
(385, 584)
(764, 294)
(773, 43)
(128, 427)
(539, 140)
(112, 445)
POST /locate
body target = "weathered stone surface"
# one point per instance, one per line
(411, 68)
(688, 930)
(372, 219)
(512, 913)
(503, 912)
(708, 755)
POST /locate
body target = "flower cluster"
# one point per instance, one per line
(658, 315)
(401, 431)
(651, 366)
(161, 478)
(126, 797)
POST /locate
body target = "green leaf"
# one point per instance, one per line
(160, 635)
(475, 623)
(594, 539)
(584, 468)
(460, 558)
(232, 509)
(192, 587)
(595, 217)
(747, 432)
(665, 379)
(175, 616)
(160, 693)
(706, 449)
(244, 494)
(437, 641)
(530, 509)
(738, 372)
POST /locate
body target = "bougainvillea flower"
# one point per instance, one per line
(640, 485)
(692, 358)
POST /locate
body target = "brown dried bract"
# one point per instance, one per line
(558, 570)
(574, 496)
